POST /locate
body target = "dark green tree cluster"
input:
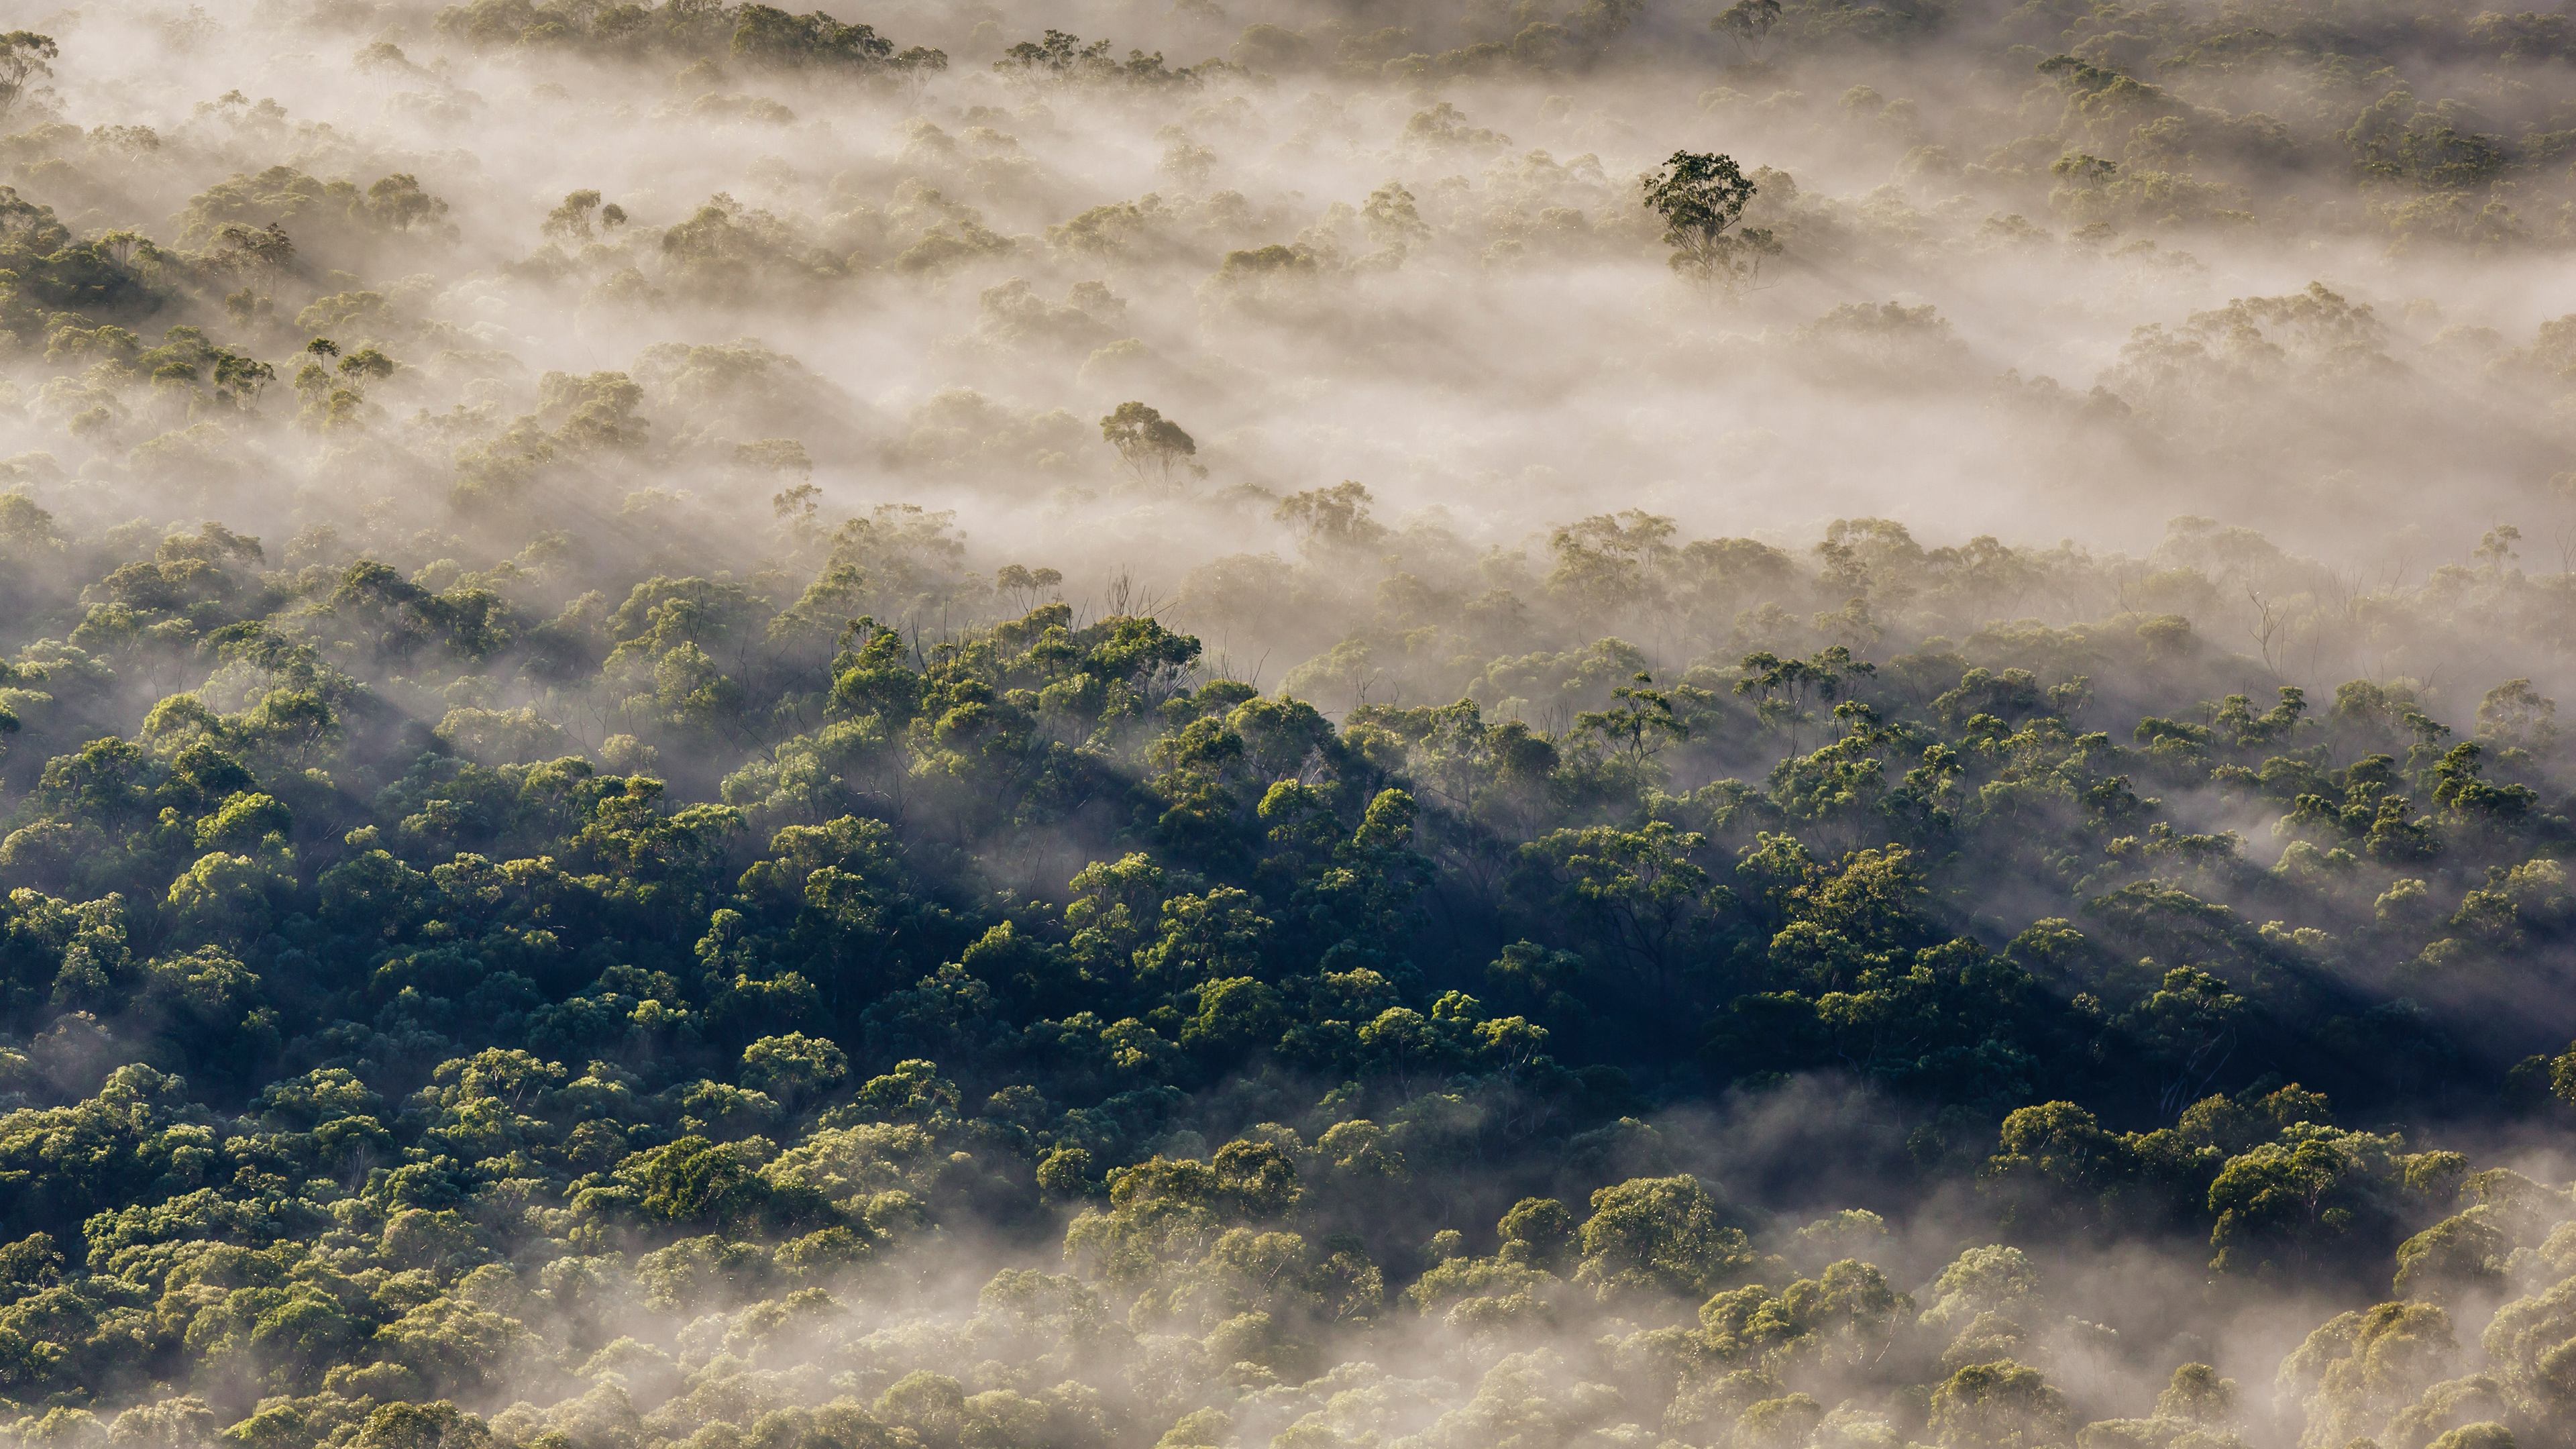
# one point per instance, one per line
(374, 1066)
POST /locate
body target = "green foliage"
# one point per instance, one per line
(1700, 198)
(580, 937)
(1147, 442)
(1660, 1235)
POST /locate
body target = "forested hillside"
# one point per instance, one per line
(1286, 725)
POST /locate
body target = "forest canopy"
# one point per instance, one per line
(1287, 725)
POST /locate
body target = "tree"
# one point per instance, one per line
(261, 255)
(1701, 197)
(1393, 221)
(368, 364)
(2197, 1395)
(2055, 1159)
(1024, 586)
(571, 221)
(1642, 723)
(2515, 716)
(1538, 1232)
(1781, 685)
(1660, 1235)
(2456, 1256)
(1058, 55)
(2190, 1025)
(914, 68)
(1748, 23)
(421, 1426)
(398, 202)
(1328, 520)
(794, 1067)
(2532, 1340)
(1149, 443)
(1991, 1279)
(23, 56)
(767, 36)
(2361, 1368)
(1613, 561)
(1639, 888)
(2001, 1405)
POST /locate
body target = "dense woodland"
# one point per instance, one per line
(729, 730)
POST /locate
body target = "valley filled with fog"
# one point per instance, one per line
(1294, 724)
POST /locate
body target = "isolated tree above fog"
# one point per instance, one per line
(1701, 197)
(1147, 442)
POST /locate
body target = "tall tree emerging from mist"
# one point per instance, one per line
(23, 57)
(1701, 197)
(1150, 444)
(1748, 23)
